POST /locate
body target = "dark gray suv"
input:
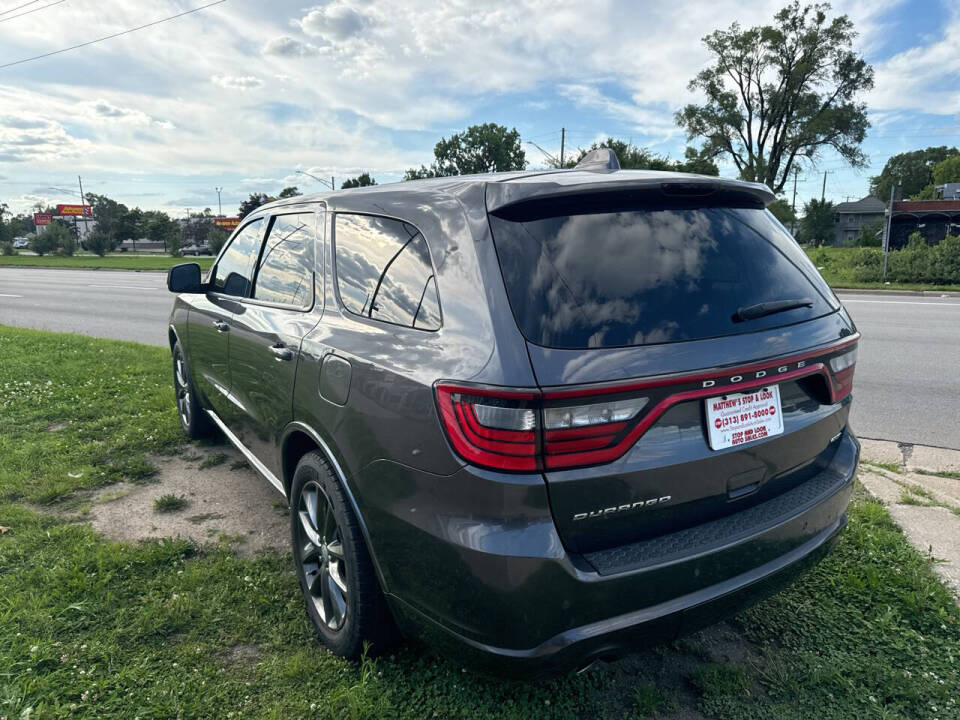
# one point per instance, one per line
(534, 418)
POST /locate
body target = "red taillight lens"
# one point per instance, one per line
(491, 428)
(841, 368)
(511, 430)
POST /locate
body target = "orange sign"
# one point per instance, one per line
(41, 218)
(74, 210)
(226, 223)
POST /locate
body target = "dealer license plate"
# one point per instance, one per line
(739, 418)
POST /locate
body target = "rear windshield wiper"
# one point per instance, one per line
(752, 312)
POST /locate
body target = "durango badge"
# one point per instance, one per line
(603, 512)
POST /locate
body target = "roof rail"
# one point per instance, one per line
(599, 160)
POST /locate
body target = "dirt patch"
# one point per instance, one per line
(242, 655)
(224, 504)
(57, 426)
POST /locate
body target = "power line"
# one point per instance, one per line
(32, 2)
(114, 35)
(28, 12)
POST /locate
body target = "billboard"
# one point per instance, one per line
(41, 219)
(226, 223)
(74, 210)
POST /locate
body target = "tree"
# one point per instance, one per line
(215, 240)
(783, 212)
(362, 180)
(50, 239)
(252, 203)
(871, 235)
(633, 157)
(98, 242)
(947, 171)
(913, 170)
(818, 221)
(778, 95)
(287, 192)
(159, 228)
(109, 215)
(478, 149)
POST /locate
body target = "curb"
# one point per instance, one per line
(911, 293)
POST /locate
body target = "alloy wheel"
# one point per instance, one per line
(320, 555)
(182, 387)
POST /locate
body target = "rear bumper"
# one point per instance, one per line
(548, 610)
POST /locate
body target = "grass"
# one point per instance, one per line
(213, 461)
(114, 261)
(168, 503)
(951, 474)
(835, 264)
(889, 467)
(169, 628)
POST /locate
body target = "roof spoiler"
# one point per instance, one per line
(599, 160)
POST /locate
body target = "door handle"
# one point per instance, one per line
(281, 353)
(221, 326)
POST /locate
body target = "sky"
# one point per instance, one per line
(243, 94)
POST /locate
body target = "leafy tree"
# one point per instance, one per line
(362, 180)
(97, 241)
(633, 157)
(478, 149)
(783, 212)
(109, 215)
(197, 228)
(252, 203)
(947, 171)
(215, 240)
(50, 239)
(778, 95)
(289, 192)
(158, 227)
(818, 221)
(913, 170)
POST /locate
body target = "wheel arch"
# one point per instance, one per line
(299, 439)
(172, 336)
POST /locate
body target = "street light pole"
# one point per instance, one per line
(219, 206)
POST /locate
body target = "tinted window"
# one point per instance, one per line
(233, 273)
(285, 272)
(648, 276)
(384, 271)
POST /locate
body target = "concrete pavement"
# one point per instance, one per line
(907, 384)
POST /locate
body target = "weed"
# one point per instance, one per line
(169, 503)
(649, 700)
(213, 461)
(951, 474)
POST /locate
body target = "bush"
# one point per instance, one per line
(99, 242)
(945, 267)
(215, 240)
(6, 248)
(870, 235)
(43, 242)
(866, 265)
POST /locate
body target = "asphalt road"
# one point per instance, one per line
(907, 383)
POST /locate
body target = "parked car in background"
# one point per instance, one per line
(534, 418)
(195, 250)
(19, 243)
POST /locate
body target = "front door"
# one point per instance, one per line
(211, 319)
(267, 329)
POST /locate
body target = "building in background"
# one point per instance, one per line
(851, 216)
(934, 219)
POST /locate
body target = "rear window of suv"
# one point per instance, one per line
(619, 274)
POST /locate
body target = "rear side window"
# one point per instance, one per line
(384, 271)
(285, 272)
(644, 276)
(232, 275)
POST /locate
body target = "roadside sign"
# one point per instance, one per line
(75, 210)
(226, 223)
(42, 218)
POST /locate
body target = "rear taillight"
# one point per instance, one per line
(841, 368)
(527, 430)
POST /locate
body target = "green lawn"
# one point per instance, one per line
(114, 261)
(835, 265)
(166, 629)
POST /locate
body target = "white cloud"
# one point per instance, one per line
(237, 82)
(286, 46)
(339, 20)
(105, 110)
(29, 137)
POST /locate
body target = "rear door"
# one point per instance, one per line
(638, 311)
(283, 306)
(211, 317)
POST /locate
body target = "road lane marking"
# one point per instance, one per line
(8, 295)
(905, 302)
(132, 287)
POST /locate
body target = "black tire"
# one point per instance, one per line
(356, 611)
(193, 419)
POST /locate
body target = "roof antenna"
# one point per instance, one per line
(599, 160)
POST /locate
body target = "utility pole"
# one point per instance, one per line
(823, 192)
(886, 237)
(333, 185)
(219, 206)
(793, 222)
(83, 209)
(563, 137)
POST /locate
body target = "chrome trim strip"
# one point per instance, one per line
(251, 458)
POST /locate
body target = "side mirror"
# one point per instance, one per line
(185, 278)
